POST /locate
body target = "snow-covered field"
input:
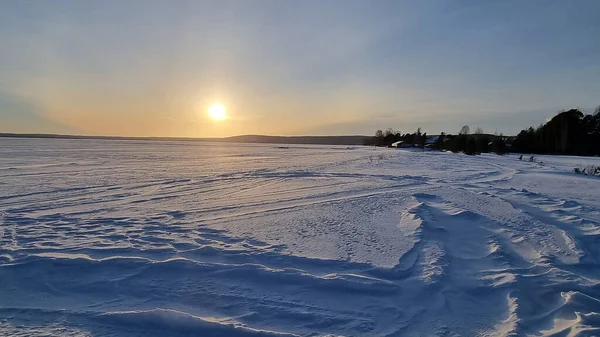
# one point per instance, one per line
(126, 238)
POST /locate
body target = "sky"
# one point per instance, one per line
(288, 67)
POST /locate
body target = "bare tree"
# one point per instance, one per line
(379, 134)
(479, 130)
(465, 130)
(388, 132)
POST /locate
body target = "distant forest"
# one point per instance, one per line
(570, 132)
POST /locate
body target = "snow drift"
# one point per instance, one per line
(126, 238)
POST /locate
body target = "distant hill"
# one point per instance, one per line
(324, 140)
(327, 140)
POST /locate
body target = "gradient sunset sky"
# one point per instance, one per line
(294, 67)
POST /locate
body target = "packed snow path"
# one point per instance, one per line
(126, 238)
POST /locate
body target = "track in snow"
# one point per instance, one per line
(111, 238)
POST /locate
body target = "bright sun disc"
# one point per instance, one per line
(217, 112)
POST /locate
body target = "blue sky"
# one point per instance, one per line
(152, 68)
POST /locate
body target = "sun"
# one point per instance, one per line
(217, 112)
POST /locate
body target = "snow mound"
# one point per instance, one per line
(172, 321)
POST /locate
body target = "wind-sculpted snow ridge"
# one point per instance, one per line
(126, 238)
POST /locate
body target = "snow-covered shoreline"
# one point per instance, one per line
(118, 238)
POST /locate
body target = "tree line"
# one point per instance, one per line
(390, 136)
(570, 132)
(463, 142)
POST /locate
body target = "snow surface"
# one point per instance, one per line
(126, 238)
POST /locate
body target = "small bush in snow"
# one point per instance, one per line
(590, 170)
(378, 158)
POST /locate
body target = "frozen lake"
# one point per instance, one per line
(144, 238)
